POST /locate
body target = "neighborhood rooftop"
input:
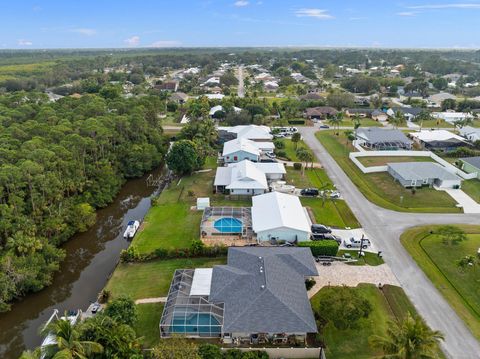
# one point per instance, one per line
(422, 170)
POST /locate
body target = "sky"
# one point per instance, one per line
(26, 24)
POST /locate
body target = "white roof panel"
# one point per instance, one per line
(202, 280)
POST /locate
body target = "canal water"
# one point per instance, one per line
(90, 259)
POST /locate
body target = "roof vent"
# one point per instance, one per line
(262, 286)
(260, 258)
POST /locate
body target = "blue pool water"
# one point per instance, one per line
(199, 323)
(228, 225)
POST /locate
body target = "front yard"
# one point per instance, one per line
(291, 150)
(390, 303)
(472, 188)
(380, 188)
(460, 287)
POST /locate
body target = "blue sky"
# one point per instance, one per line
(167, 23)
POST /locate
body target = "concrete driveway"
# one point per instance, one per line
(385, 227)
(463, 200)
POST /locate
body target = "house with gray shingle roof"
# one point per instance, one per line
(382, 138)
(259, 292)
(418, 174)
(471, 165)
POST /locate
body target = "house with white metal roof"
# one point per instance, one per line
(280, 216)
(441, 140)
(470, 133)
(242, 149)
(246, 177)
(451, 117)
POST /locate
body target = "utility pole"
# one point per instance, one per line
(360, 252)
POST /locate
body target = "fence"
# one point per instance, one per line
(293, 353)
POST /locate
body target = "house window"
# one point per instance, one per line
(228, 157)
(248, 191)
(235, 158)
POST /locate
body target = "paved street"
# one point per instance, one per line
(241, 86)
(385, 227)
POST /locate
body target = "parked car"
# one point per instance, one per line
(268, 160)
(270, 154)
(324, 126)
(325, 236)
(309, 192)
(356, 242)
(320, 228)
(335, 194)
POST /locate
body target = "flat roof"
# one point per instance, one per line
(202, 280)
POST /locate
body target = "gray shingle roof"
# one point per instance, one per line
(380, 135)
(263, 290)
(421, 171)
(474, 161)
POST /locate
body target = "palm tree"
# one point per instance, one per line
(305, 156)
(408, 339)
(336, 120)
(397, 120)
(67, 343)
(296, 137)
(36, 354)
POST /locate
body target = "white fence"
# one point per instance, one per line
(293, 353)
(373, 169)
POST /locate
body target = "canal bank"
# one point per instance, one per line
(90, 259)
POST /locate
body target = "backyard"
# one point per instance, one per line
(334, 213)
(382, 161)
(460, 287)
(380, 188)
(390, 303)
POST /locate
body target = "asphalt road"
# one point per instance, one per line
(241, 86)
(385, 227)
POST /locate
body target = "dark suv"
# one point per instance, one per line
(325, 236)
(310, 192)
(320, 228)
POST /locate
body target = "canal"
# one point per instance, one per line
(90, 259)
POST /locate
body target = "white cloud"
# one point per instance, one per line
(84, 31)
(165, 43)
(23, 42)
(316, 13)
(241, 3)
(407, 13)
(447, 6)
(132, 41)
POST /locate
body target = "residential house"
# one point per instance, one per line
(360, 112)
(410, 113)
(379, 116)
(280, 216)
(439, 140)
(312, 96)
(247, 178)
(271, 86)
(470, 133)
(217, 108)
(168, 86)
(320, 113)
(451, 117)
(179, 97)
(471, 165)
(382, 139)
(437, 99)
(418, 174)
(250, 132)
(258, 296)
(241, 149)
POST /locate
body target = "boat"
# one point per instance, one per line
(132, 227)
(72, 316)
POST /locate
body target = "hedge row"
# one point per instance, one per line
(321, 248)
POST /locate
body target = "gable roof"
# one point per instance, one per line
(320, 111)
(240, 144)
(252, 132)
(284, 211)
(245, 175)
(264, 291)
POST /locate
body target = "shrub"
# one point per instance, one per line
(209, 351)
(297, 166)
(321, 248)
(309, 283)
(296, 122)
(279, 144)
(281, 153)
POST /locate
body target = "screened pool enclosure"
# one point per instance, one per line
(187, 310)
(227, 221)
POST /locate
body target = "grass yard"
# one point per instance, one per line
(433, 124)
(382, 161)
(334, 213)
(151, 279)
(388, 304)
(147, 325)
(371, 259)
(472, 188)
(364, 122)
(380, 188)
(291, 151)
(171, 223)
(460, 288)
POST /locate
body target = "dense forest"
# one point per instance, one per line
(58, 162)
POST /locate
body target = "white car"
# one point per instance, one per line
(132, 227)
(355, 243)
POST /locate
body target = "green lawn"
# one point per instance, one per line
(472, 188)
(380, 188)
(371, 259)
(291, 151)
(171, 223)
(331, 213)
(460, 288)
(388, 304)
(382, 161)
(364, 122)
(148, 322)
(433, 124)
(151, 279)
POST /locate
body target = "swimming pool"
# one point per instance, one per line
(228, 225)
(195, 324)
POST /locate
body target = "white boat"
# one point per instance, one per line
(72, 317)
(132, 227)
